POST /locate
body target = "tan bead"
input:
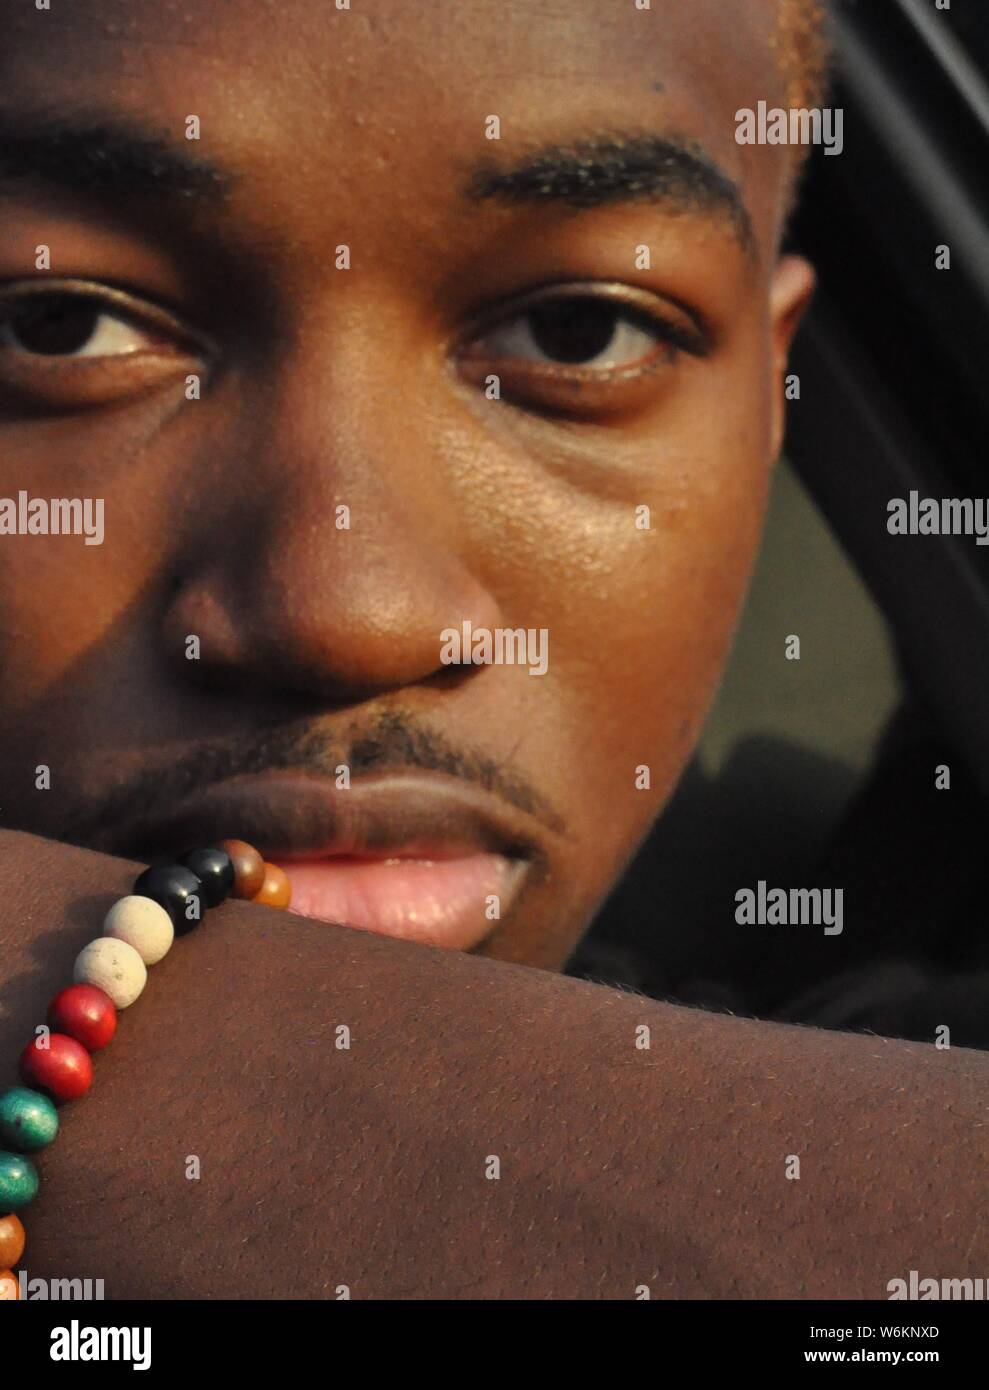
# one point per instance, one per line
(11, 1240)
(248, 867)
(276, 891)
(143, 924)
(113, 967)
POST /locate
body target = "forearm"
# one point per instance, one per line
(368, 1167)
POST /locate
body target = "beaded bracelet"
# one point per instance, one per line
(109, 974)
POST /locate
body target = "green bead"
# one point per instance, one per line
(18, 1181)
(28, 1120)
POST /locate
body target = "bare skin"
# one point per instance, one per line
(365, 387)
(365, 1167)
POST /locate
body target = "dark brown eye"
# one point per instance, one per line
(584, 350)
(56, 325)
(583, 331)
(75, 344)
(580, 332)
(574, 330)
(70, 324)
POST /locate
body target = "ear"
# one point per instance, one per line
(790, 292)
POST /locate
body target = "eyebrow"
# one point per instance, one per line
(103, 157)
(619, 169)
(120, 160)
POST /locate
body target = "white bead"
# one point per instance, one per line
(143, 924)
(113, 967)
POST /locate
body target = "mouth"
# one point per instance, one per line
(423, 858)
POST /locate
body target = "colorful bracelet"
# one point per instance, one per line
(109, 974)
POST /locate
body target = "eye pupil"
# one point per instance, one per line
(575, 330)
(54, 325)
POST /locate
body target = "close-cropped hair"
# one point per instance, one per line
(803, 50)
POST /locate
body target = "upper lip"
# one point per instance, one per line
(300, 815)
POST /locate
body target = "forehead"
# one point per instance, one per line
(390, 86)
(592, 36)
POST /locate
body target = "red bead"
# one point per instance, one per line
(84, 1013)
(64, 1068)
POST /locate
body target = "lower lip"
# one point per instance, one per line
(444, 902)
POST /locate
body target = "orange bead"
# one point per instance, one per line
(10, 1290)
(276, 891)
(248, 868)
(11, 1240)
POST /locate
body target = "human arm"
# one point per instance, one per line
(365, 1167)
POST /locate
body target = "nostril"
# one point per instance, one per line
(300, 617)
(198, 634)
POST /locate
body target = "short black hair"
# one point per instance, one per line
(803, 50)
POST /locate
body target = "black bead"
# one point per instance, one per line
(215, 870)
(172, 885)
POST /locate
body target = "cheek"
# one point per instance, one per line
(639, 583)
(61, 600)
(652, 644)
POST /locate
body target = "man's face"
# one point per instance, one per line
(538, 390)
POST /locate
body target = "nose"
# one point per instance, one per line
(338, 557)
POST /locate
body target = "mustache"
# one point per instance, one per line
(390, 742)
